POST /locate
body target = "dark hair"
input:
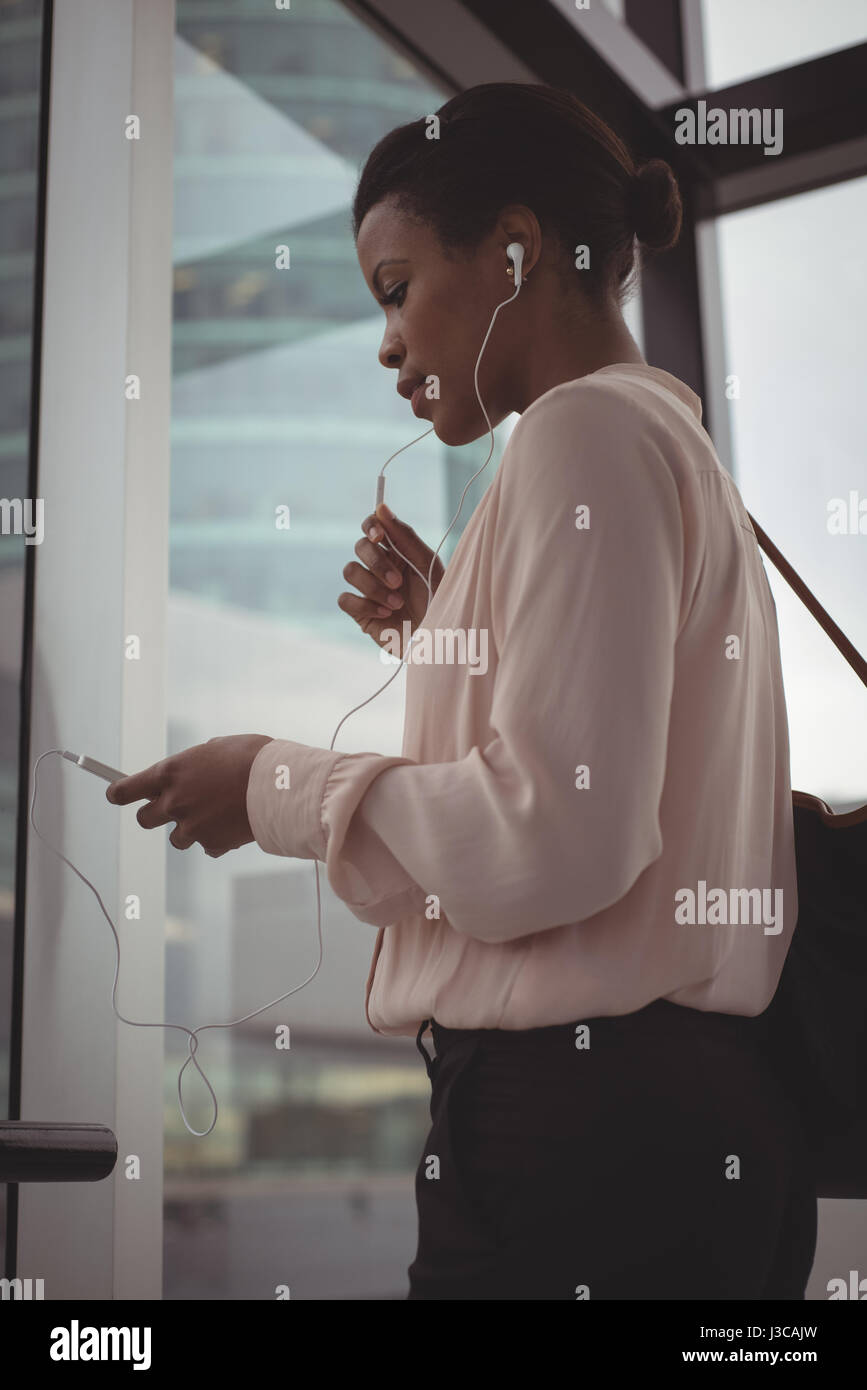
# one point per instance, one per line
(516, 142)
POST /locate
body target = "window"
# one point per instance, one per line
(743, 39)
(794, 297)
(279, 400)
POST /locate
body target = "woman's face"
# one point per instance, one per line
(436, 316)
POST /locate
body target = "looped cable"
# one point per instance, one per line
(192, 1033)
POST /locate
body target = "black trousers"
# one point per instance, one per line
(664, 1161)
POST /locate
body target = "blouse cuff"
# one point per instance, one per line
(285, 792)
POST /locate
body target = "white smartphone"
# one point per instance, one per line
(110, 774)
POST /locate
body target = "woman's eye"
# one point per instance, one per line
(392, 297)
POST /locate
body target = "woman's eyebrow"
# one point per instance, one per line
(403, 260)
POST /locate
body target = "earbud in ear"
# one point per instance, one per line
(515, 253)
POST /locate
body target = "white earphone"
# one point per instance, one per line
(515, 253)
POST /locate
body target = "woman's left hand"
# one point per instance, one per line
(203, 789)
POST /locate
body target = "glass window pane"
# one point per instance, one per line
(280, 402)
(743, 39)
(794, 301)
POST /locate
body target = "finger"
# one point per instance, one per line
(363, 610)
(152, 815)
(410, 545)
(385, 523)
(371, 587)
(149, 783)
(180, 840)
(380, 562)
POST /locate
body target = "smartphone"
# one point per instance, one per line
(110, 774)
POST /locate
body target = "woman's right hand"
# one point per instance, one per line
(372, 611)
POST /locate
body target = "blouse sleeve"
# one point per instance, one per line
(555, 817)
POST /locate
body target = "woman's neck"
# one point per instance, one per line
(573, 350)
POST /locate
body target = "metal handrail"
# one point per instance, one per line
(51, 1152)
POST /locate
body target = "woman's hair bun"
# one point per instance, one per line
(655, 205)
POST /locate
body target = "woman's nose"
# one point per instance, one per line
(389, 355)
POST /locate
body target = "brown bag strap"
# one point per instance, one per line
(840, 640)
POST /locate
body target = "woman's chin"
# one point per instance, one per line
(453, 433)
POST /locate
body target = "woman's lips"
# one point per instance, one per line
(417, 398)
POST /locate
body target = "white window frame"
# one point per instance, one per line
(101, 574)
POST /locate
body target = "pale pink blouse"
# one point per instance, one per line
(532, 856)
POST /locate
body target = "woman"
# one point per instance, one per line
(582, 865)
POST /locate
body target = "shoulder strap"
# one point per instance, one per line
(840, 640)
